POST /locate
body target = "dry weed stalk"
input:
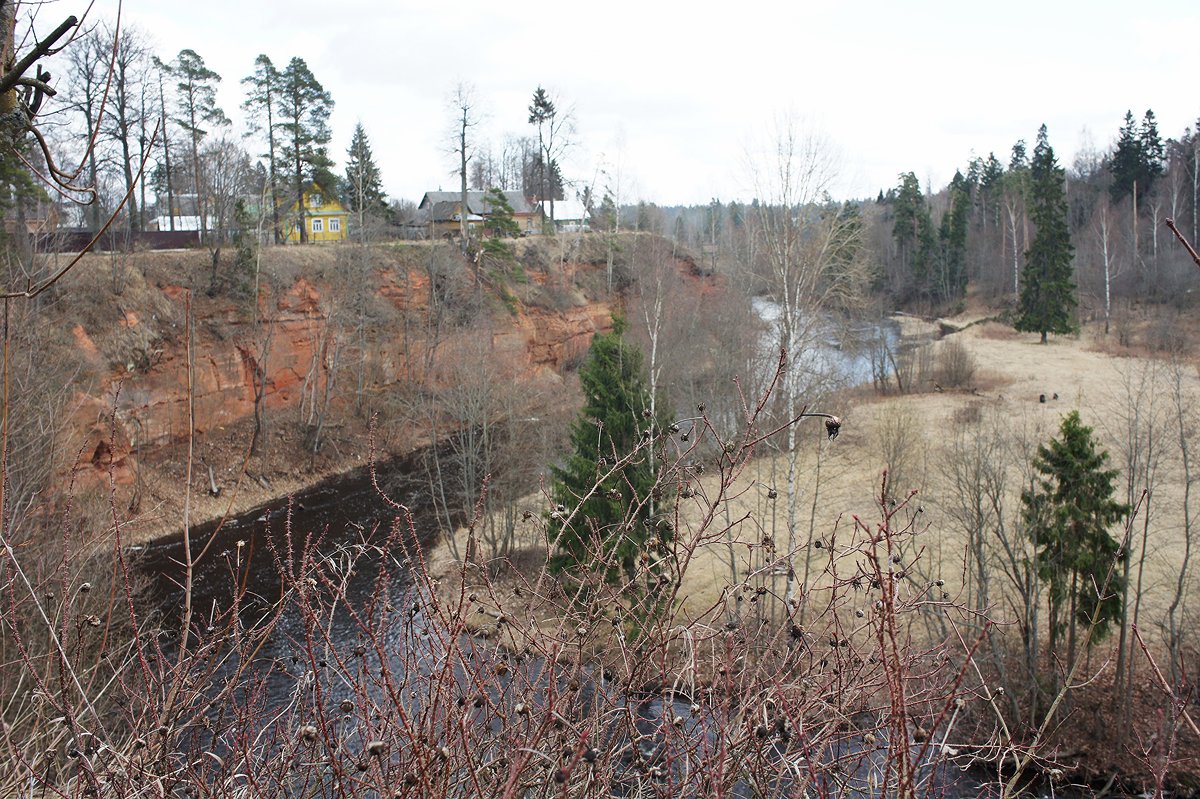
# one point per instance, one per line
(370, 675)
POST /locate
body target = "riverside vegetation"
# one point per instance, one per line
(474, 669)
(731, 574)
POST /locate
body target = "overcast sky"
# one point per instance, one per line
(670, 94)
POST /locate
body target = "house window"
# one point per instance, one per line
(335, 226)
(318, 226)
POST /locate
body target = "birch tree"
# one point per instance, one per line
(811, 260)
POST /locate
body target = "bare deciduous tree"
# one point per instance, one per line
(811, 263)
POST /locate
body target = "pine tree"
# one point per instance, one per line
(1047, 300)
(196, 104)
(304, 131)
(362, 189)
(262, 105)
(598, 519)
(1067, 515)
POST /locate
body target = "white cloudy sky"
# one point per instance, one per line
(673, 92)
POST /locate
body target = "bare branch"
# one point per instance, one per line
(1183, 240)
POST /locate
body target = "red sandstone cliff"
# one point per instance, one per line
(400, 315)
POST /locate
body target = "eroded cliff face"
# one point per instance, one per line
(388, 325)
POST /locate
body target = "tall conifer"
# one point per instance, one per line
(603, 514)
(1047, 302)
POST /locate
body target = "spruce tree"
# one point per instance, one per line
(1047, 301)
(914, 233)
(362, 189)
(1067, 515)
(952, 238)
(601, 521)
(541, 115)
(1151, 148)
(1126, 161)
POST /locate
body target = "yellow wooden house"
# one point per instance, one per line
(324, 218)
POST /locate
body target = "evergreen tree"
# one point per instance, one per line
(609, 517)
(1067, 514)
(362, 189)
(541, 115)
(604, 217)
(952, 237)
(500, 221)
(304, 131)
(914, 233)
(1126, 161)
(1153, 154)
(197, 109)
(991, 189)
(1047, 301)
(1138, 159)
(1019, 159)
(262, 105)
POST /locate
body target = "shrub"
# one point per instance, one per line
(955, 365)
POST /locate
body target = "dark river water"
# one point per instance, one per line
(347, 512)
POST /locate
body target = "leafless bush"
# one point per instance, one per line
(955, 365)
(495, 678)
(900, 436)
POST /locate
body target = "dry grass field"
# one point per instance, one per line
(914, 435)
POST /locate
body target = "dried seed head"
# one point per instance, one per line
(859, 613)
(375, 748)
(83, 589)
(700, 407)
(308, 732)
(347, 706)
(833, 426)
(772, 493)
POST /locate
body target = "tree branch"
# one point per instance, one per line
(1182, 240)
(10, 78)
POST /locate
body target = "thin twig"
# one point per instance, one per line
(1163, 680)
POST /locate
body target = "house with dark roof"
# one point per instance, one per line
(440, 213)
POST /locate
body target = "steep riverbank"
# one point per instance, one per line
(345, 358)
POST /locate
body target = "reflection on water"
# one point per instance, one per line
(834, 352)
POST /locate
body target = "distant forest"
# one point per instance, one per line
(928, 245)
